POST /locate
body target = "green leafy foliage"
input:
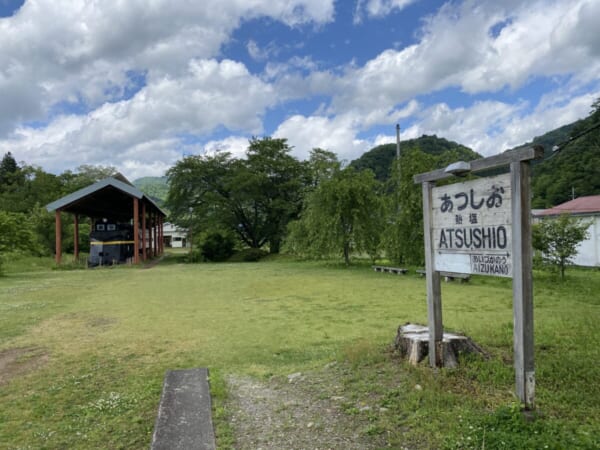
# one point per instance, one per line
(557, 239)
(344, 214)
(217, 247)
(403, 239)
(380, 159)
(575, 170)
(16, 236)
(253, 198)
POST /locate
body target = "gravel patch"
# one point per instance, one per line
(295, 412)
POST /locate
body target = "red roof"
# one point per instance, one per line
(581, 205)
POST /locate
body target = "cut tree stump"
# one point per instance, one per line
(412, 342)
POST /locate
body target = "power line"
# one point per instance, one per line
(558, 147)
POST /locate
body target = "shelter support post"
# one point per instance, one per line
(162, 236)
(58, 237)
(150, 227)
(155, 231)
(76, 237)
(522, 283)
(434, 289)
(136, 230)
(144, 225)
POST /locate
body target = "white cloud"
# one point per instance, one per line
(492, 127)
(235, 145)
(85, 53)
(56, 49)
(457, 48)
(146, 128)
(335, 134)
(378, 8)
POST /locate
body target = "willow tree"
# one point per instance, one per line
(344, 214)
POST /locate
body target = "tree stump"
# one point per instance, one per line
(412, 342)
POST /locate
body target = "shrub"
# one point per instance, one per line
(248, 255)
(217, 247)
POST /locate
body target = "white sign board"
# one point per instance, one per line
(471, 227)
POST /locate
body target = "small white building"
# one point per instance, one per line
(588, 209)
(174, 236)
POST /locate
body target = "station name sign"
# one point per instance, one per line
(471, 227)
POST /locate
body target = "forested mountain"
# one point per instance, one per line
(573, 171)
(380, 158)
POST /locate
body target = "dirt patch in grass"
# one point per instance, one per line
(298, 411)
(15, 362)
(102, 323)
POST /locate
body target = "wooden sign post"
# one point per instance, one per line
(483, 226)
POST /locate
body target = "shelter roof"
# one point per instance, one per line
(110, 197)
(581, 205)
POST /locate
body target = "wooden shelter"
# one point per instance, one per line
(117, 199)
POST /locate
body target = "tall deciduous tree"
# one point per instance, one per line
(403, 238)
(254, 198)
(343, 214)
(557, 239)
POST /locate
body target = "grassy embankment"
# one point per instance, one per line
(99, 342)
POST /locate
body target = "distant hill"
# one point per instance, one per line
(572, 172)
(380, 158)
(155, 187)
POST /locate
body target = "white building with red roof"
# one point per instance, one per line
(588, 208)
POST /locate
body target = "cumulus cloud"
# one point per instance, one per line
(149, 81)
(235, 145)
(55, 49)
(146, 127)
(378, 8)
(492, 127)
(458, 48)
(335, 134)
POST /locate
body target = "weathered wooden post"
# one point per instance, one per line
(483, 226)
(76, 238)
(434, 289)
(57, 237)
(144, 225)
(136, 230)
(522, 283)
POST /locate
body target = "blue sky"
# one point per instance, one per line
(139, 84)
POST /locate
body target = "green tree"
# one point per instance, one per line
(403, 237)
(557, 239)
(85, 175)
(267, 191)
(8, 169)
(342, 215)
(16, 235)
(575, 170)
(254, 198)
(322, 165)
(197, 197)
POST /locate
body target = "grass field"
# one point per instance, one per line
(90, 349)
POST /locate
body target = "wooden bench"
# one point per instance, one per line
(396, 270)
(184, 419)
(449, 276)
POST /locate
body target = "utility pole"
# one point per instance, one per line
(398, 142)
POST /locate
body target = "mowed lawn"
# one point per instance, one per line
(90, 347)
